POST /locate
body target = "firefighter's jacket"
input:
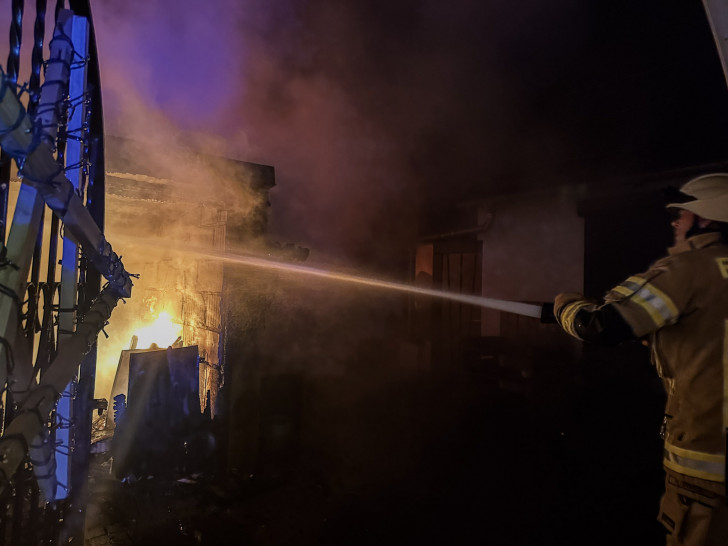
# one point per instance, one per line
(681, 305)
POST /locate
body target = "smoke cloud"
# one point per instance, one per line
(369, 113)
(375, 114)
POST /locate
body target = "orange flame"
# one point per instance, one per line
(163, 331)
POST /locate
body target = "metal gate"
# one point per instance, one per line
(51, 138)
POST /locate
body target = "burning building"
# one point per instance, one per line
(179, 216)
(171, 214)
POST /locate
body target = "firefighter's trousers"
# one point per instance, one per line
(694, 511)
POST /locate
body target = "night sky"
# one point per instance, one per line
(381, 116)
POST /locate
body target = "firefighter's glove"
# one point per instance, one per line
(562, 301)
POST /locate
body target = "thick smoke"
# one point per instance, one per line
(372, 115)
(375, 114)
(240, 80)
(369, 113)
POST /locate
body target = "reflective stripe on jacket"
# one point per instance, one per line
(697, 464)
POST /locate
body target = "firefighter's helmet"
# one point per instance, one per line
(710, 197)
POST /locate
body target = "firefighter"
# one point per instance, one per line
(679, 306)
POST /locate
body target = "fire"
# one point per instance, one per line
(163, 331)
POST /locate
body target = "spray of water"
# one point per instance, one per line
(519, 308)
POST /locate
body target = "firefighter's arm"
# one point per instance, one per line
(587, 321)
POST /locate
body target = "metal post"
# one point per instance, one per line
(69, 261)
(95, 203)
